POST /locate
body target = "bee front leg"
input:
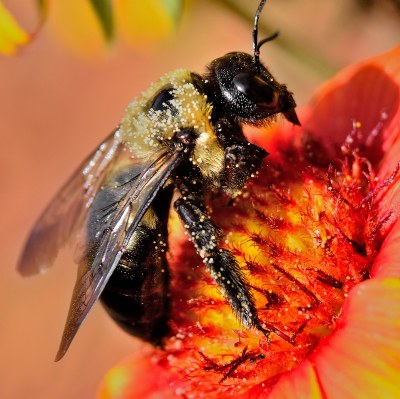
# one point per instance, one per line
(221, 263)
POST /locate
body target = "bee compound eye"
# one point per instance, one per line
(256, 89)
(162, 101)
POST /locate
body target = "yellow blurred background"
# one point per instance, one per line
(56, 106)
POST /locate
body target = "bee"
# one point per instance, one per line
(182, 138)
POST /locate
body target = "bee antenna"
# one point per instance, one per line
(257, 45)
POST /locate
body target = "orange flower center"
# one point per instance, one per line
(305, 231)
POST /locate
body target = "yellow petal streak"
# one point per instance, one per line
(77, 25)
(143, 23)
(116, 381)
(11, 34)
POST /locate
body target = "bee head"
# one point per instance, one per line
(247, 91)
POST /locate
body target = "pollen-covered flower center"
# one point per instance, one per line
(303, 246)
(304, 233)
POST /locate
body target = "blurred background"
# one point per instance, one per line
(67, 89)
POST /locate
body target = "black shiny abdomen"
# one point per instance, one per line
(136, 295)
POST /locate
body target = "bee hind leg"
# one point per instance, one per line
(221, 263)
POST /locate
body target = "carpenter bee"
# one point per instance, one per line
(182, 137)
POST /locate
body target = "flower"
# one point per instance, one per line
(317, 233)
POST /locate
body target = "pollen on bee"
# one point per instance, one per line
(203, 137)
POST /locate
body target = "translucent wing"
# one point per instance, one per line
(114, 238)
(66, 214)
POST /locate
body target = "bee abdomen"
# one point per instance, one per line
(136, 296)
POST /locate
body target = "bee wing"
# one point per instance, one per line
(115, 236)
(67, 212)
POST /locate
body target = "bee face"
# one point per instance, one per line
(247, 90)
(182, 138)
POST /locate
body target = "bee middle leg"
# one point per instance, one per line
(220, 262)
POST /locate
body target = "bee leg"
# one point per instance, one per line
(221, 263)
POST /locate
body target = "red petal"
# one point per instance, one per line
(138, 377)
(387, 263)
(367, 93)
(301, 383)
(362, 358)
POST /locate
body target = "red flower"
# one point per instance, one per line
(317, 233)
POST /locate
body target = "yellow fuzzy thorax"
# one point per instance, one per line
(146, 130)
